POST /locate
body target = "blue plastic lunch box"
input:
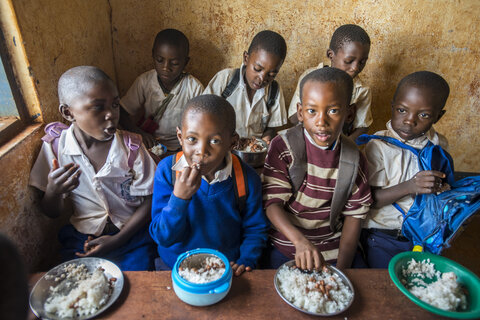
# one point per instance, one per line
(202, 294)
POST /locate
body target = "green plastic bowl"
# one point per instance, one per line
(464, 276)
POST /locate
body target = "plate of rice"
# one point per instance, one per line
(437, 284)
(77, 289)
(321, 293)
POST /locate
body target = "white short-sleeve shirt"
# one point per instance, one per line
(146, 93)
(361, 96)
(115, 191)
(252, 118)
(388, 166)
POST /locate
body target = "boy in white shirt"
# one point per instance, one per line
(257, 99)
(89, 165)
(157, 98)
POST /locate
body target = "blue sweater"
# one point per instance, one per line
(211, 219)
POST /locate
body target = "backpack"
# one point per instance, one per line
(272, 95)
(347, 169)
(434, 219)
(53, 131)
(240, 186)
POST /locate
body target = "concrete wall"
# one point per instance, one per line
(407, 36)
(57, 35)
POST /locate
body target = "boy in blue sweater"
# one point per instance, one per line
(196, 197)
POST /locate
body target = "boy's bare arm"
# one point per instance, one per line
(423, 182)
(268, 134)
(357, 132)
(348, 242)
(307, 256)
(127, 124)
(107, 243)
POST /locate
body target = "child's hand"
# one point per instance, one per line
(239, 269)
(97, 247)
(187, 182)
(427, 182)
(307, 256)
(64, 179)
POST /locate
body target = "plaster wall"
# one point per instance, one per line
(407, 36)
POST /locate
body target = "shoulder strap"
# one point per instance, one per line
(53, 131)
(347, 174)
(227, 92)
(240, 185)
(272, 94)
(364, 138)
(133, 141)
(175, 159)
(295, 142)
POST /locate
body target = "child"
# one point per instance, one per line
(394, 173)
(349, 48)
(108, 182)
(303, 227)
(202, 208)
(157, 97)
(255, 96)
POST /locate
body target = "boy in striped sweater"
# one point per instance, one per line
(301, 218)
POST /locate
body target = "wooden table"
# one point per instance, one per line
(149, 295)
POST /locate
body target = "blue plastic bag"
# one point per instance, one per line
(433, 220)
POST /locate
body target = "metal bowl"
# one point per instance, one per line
(254, 159)
(41, 290)
(332, 269)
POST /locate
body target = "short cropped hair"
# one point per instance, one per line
(329, 74)
(172, 37)
(213, 105)
(78, 80)
(436, 86)
(269, 41)
(348, 33)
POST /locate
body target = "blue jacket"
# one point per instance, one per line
(211, 219)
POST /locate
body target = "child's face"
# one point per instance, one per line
(205, 141)
(414, 112)
(323, 111)
(261, 67)
(95, 111)
(351, 57)
(169, 61)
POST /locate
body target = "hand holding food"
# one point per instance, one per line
(188, 182)
(63, 179)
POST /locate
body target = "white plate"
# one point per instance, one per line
(41, 290)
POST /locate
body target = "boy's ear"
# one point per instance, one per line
(234, 141)
(351, 110)
(299, 112)
(179, 136)
(187, 59)
(245, 57)
(440, 114)
(330, 54)
(66, 113)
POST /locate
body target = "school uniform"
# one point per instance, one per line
(361, 96)
(147, 94)
(389, 166)
(309, 208)
(251, 118)
(105, 200)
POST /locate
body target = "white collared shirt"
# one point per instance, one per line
(252, 118)
(146, 93)
(114, 191)
(388, 166)
(220, 175)
(361, 96)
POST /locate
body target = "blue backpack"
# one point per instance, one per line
(434, 219)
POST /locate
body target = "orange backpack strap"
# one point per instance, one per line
(175, 159)
(240, 185)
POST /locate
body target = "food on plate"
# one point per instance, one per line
(320, 292)
(250, 145)
(78, 292)
(431, 286)
(211, 269)
(157, 150)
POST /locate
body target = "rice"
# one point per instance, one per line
(78, 293)
(439, 290)
(212, 268)
(157, 150)
(317, 292)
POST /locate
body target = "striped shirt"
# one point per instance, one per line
(309, 208)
